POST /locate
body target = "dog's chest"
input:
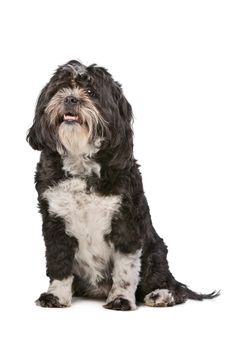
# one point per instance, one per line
(88, 218)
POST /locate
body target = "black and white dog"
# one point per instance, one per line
(97, 228)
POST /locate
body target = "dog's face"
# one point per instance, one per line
(81, 108)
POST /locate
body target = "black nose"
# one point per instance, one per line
(71, 100)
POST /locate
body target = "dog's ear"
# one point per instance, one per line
(33, 136)
(125, 109)
(35, 133)
(123, 135)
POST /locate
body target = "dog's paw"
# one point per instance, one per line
(159, 298)
(119, 304)
(48, 300)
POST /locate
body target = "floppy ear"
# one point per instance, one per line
(125, 109)
(123, 135)
(35, 133)
(33, 136)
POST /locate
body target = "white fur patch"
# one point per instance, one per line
(62, 290)
(159, 297)
(74, 138)
(82, 164)
(87, 217)
(79, 162)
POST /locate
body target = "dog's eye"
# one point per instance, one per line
(90, 92)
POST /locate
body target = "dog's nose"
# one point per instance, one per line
(71, 100)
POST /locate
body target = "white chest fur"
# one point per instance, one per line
(88, 218)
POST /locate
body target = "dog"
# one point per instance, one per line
(97, 228)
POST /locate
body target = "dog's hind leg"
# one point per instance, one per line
(159, 297)
(166, 297)
(178, 295)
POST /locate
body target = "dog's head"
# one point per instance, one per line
(83, 110)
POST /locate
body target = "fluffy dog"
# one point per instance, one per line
(99, 237)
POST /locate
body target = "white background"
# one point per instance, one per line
(175, 61)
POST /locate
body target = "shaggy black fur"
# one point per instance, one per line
(132, 228)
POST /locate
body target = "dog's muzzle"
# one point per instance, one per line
(70, 106)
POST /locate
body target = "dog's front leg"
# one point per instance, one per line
(60, 250)
(125, 280)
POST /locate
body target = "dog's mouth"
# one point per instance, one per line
(72, 118)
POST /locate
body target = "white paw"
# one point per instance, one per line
(159, 297)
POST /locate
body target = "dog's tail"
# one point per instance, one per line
(199, 296)
(183, 292)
